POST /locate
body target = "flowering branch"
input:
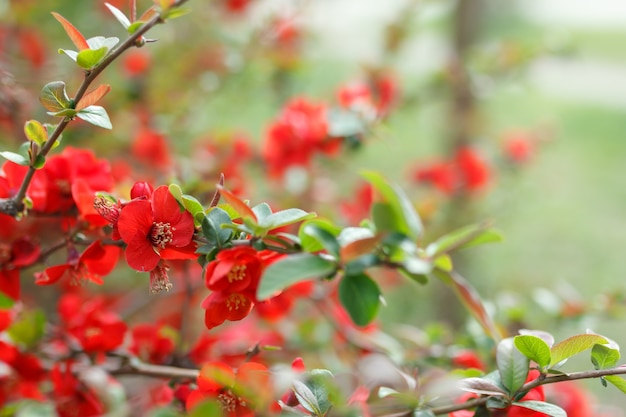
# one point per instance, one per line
(13, 206)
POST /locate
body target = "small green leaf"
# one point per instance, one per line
(212, 227)
(406, 217)
(385, 218)
(72, 54)
(174, 13)
(360, 296)
(134, 27)
(482, 386)
(512, 365)
(307, 398)
(573, 346)
(604, 357)
(542, 407)
(176, 192)
(311, 243)
(206, 408)
(54, 97)
(6, 302)
(96, 115)
(28, 328)
(40, 161)
(35, 132)
(262, 211)
(321, 236)
(461, 238)
(284, 218)
(444, 262)
(360, 264)
(90, 58)
(193, 206)
(534, 349)
(15, 157)
(617, 381)
(69, 113)
(292, 269)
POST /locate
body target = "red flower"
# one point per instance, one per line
(518, 146)
(136, 62)
(440, 174)
(468, 359)
(473, 170)
(150, 227)
(300, 130)
(73, 397)
(221, 306)
(22, 252)
(571, 397)
(239, 393)
(150, 343)
(151, 148)
(97, 329)
(96, 261)
(234, 270)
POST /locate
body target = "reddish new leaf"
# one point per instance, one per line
(93, 96)
(359, 247)
(77, 38)
(240, 207)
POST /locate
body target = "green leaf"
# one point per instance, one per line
(385, 218)
(482, 386)
(534, 348)
(212, 227)
(134, 27)
(15, 157)
(284, 218)
(573, 346)
(90, 58)
(96, 115)
(28, 328)
(174, 13)
(193, 206)
(292, 269)
(307, 398)
(69, 113)
(512, 365)
(6, 302)
(176, 192)
(35, 132)
(262, 211)
(206, 408)
(461, 238)
(360, 296)
(487, 236)
(310, 242)
(617, 381)
(604, 357)
(360, 264)
(444, 262)
(322, 237)
(40, 161)
(542, 407)
(54, 97)
(406, 217)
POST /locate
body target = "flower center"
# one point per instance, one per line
(234, 301)
(161, 234)
(238, 273)
(229, 402)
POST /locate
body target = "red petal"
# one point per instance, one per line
(165, 207)
(10, 283)
(100, 259)
(51, 275)
(140, 254)
(135, 218)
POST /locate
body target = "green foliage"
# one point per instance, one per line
(604, 357)
(54, 97)
(574, 345)
(293, 269)
(96, 115)
(216, 235)
(28, 329)
(542, 407)
(534, 348)
(512, 365)
(317, 235)
(360, 296)
(36, 132)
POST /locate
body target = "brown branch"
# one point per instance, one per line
(135, 367)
